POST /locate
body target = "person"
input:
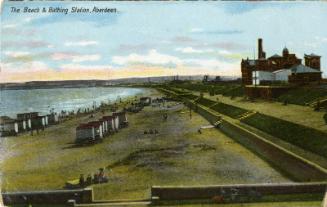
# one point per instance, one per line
(95, 178)
(165, 116)
(102, 178)
(81, 180)
(89, 179)
(101, 174)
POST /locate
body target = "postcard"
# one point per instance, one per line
(163, 103)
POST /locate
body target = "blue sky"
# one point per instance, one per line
(154, 38)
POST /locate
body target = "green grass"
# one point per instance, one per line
(227, 89)
(205, 102)
(299, 135)
(178, 155)
(301, 96)
(229, 110)
(235, 91)
(190, 96)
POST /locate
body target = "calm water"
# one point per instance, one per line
(43, 100)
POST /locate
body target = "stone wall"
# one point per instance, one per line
(255, 190)
(287, 162)
(48, 197)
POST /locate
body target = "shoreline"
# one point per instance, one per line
(86, 104)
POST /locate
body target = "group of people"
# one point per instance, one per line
(151, 131)
(99, 177)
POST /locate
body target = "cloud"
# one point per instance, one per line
(212, 64)
(321, 39)
(74, 57)
(183, 40)
(24, 44)
(26, 67)
(228, 45)
(192, 50)
(237, 8)
(195, 30)
(7, 26)
(222, 53)
(16, 54)
(85, 67)
(216, 32)
(99, 20)
(152, 58)
(135, 47)
(81, 43)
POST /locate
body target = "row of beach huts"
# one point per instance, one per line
(26, 122)
(95, 131)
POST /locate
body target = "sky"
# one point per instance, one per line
(143, 39)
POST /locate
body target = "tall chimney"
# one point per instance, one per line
(260, 55)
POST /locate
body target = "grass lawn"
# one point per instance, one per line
(305, 137)
(229, 110)
(178, 155)
(294, 113)
(301, 96)
(226, 89)
(205, 102)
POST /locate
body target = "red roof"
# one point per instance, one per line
(118, 113)
(89, 125)
(107, 117)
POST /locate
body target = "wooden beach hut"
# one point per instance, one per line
(53, 118)
(104, 126)
(115, 121)
(26, 119)
(109, 123)
(145, 101)
(39, 122)
(8, 126)
(122, 118)
(89, 132)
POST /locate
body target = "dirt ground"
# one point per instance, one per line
(177, 155)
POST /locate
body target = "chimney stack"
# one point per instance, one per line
(260, 52)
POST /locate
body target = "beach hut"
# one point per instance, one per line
(22, 125)
(26, 119)
(98, 129)
(122, 119)
(53, 118)
(115, 121)
(8, 126)
(104, 126)
(89, 132)
(109, 123)
(145, 101)
(39, 122)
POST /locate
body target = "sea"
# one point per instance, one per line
(58, 99)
